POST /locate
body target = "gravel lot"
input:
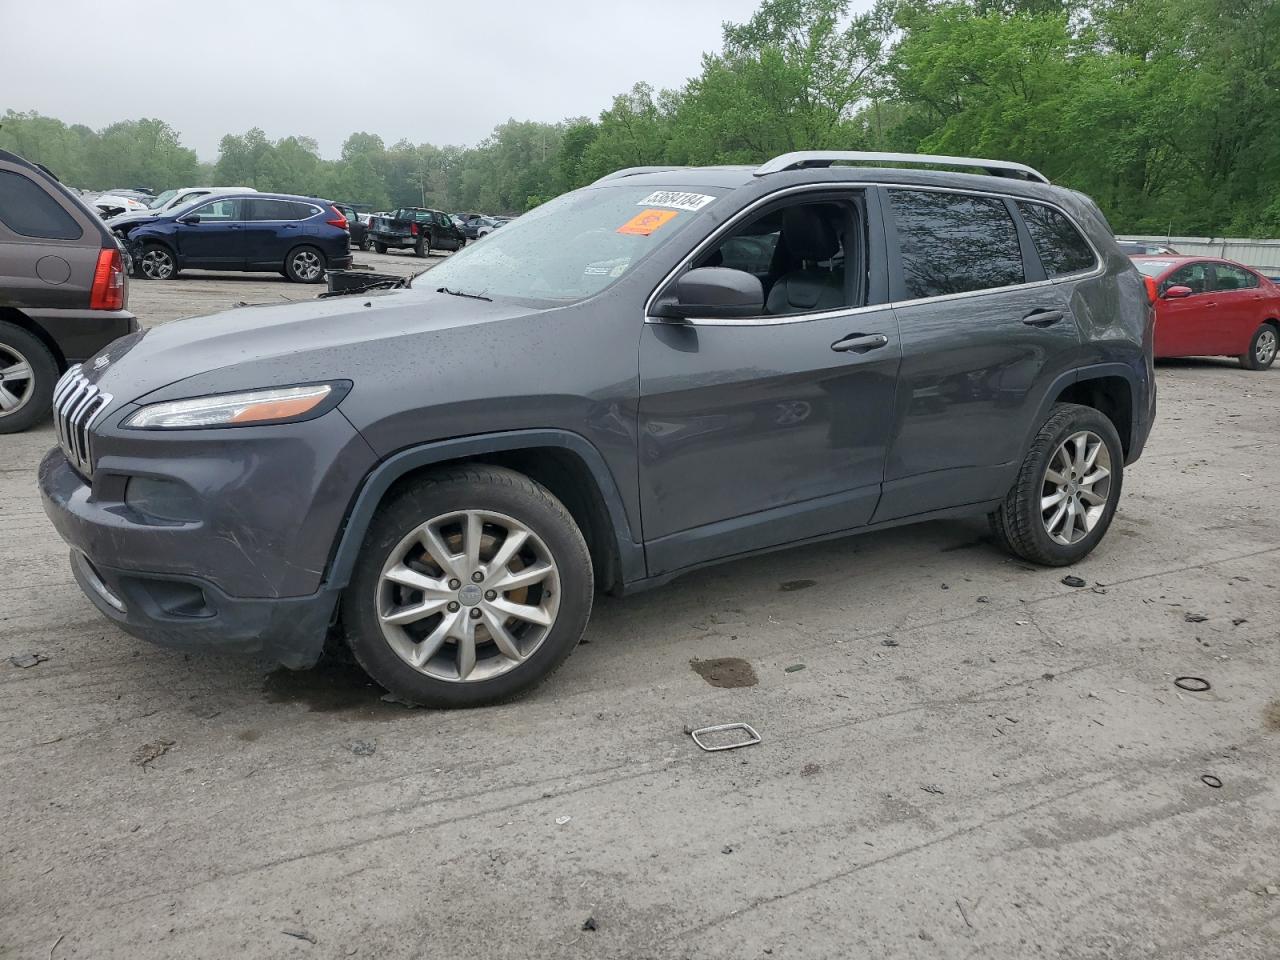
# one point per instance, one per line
(962, 756)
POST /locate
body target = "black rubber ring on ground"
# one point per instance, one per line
(1193, 684)
(1209, 780)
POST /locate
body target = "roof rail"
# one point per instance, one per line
(632, 172)
(825, 158)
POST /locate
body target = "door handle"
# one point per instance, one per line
(1042, 318)
(860, 343)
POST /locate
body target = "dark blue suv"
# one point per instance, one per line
(300, 237)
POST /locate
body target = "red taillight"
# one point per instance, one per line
(1153, 292)
(338, 220)
(413, 228)
(108, 281)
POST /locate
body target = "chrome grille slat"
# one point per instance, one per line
(77, 404)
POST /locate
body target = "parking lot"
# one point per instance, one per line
(961, 755)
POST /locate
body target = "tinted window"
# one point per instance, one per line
(1061, 248)
(1233, 278)
(218, 210)
(278, 210)
(1193, 275)
(26, 209)
(953, 243)
(1152, 268)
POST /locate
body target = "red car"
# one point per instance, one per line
(1213, 308)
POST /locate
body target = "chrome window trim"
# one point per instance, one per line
(770, 321)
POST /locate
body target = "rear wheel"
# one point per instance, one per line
(471, 587)
(157, 263)
(1067, 488)
(28, 373)
(1262, 348)
(379, 247)
(305, 265)
(423, 247)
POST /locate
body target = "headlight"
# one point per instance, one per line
(252, 408)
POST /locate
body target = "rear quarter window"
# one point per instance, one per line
(1061, 247)
(28, 210)
(955, 243)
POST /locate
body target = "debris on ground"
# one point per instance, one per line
(392, 698)
(964, 914)
(1191, 684)
(1194, 617)
(561, 821)
(1100, 589)
(364, 748)
(1237, 621)
(1071, 580)
(726, 849)
(752, 736)
(299, 935)
(932, 788)
(1022, 623)
(589, 924)
(726, 672)
(984, 599)
(1271, 890)
(791, 585)
(809, 769)
(889, 642)
(148, 753)
(794, 667)
(25, 660)
(1209, 780)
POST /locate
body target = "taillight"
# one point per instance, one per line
(1153, 291)
(338, 220)
(413, 229)
(108, 281)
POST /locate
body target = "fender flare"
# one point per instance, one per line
(1095, 371)
(380, 479)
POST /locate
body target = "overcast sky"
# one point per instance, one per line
(429, 71)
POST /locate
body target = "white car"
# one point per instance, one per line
(173, 199)
(113, 201)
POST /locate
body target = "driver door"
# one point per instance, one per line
(216, 242)
(1184, 325)
(763, 430)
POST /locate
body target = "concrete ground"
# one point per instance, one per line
(961, 756)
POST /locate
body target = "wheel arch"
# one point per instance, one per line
(19, 319)
(564, 462)
(1111, 388)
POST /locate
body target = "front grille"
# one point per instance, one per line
(77, 403)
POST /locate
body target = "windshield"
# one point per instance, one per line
(573, 247)
(164, 198)
(1152, 268)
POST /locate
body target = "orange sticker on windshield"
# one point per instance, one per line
(647, 221)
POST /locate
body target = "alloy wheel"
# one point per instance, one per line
(16, 381)
(1076, 485)
(306, 264)
(1264, 350)
(468, 596)
(157, 265)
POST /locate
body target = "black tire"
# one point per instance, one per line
(33, 393)
(157, 262)
(379, 247)
(1256, 358)
(1018, 523)
(475, 487)
(305, 264)
(423, 247)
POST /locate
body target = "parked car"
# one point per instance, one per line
(600, 397)
(357, 225)
(1214, 308)
(417, 227)
(64, 292)
(185, 196)
(300, 237)
(111, 205)
(1138, 248)
(478, 227)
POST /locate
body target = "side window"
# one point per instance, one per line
(1228, 277)
(26, 209)
(809, 257)
(1193, 275)
(954, 243)
(300, 211)
(218, 211)
(1061, 248)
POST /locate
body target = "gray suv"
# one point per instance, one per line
(669, 368)
(63, 288)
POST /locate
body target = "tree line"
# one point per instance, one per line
(1167, 112)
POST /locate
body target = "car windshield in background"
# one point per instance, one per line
(1152, 268)
(573, 247)
(164, 198)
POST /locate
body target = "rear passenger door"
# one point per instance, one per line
(272, 229)
(1239, 296)
(985, 333)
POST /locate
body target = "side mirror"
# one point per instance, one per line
(714, 292)
(190, 218)
(1177, 292)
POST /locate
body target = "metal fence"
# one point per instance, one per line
(1262, 255)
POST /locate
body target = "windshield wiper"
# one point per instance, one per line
(459, 293)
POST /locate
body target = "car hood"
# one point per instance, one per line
(339, 338)
(134, 218)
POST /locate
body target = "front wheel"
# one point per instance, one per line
(472, 586)
(305, 265)
(157, 263)
(379, 247)
(1262, 348)
(28, 373)
(1066, 491)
